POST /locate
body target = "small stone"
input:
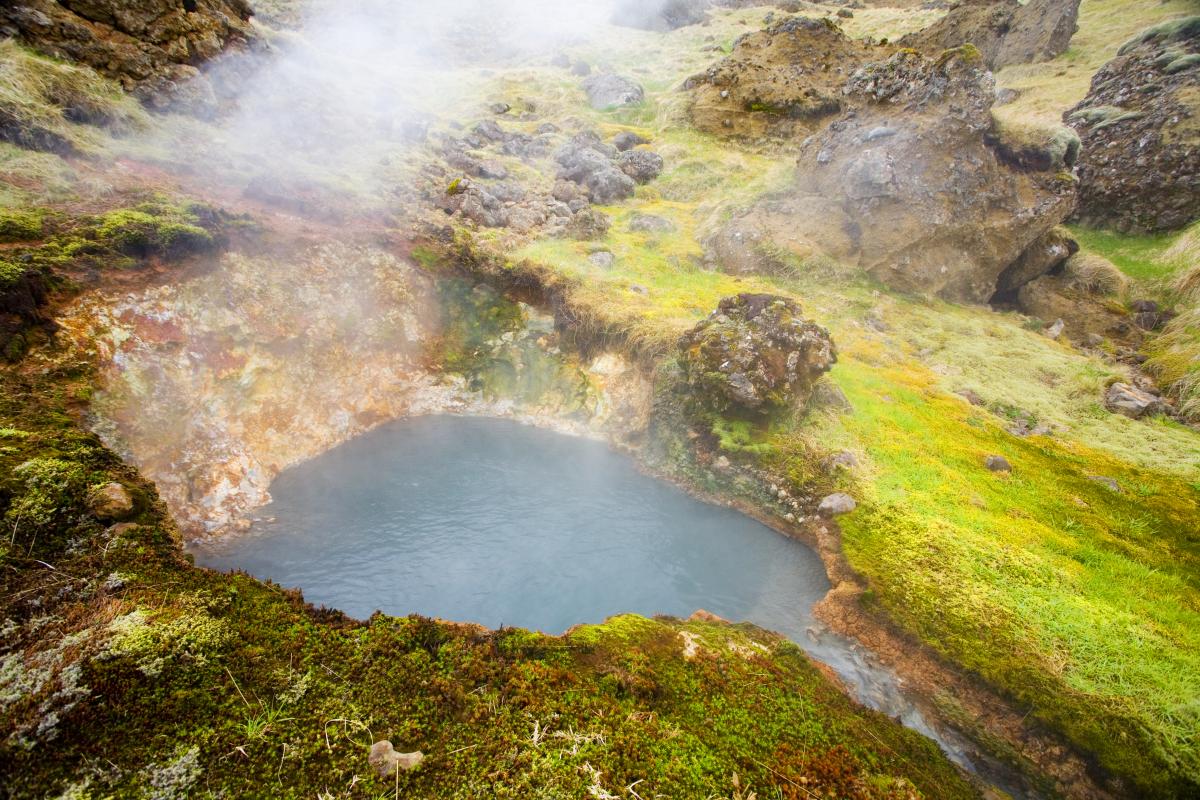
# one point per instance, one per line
(1055, 330)
(110, 501)
(721, 464)
(970, 396)
(838, 503)
(637, 288)
(1111, 483)
(387, 761)
(602, 259)
(1094, 340)
(1130, 401)
(627, 140)
(649, 223)
(843, 460)
(1144, 306)
(845, 13)
(998, 464)
(500, 108)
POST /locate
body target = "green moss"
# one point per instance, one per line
(152, 230)
(21, 225)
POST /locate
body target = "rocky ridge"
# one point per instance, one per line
(154, 48)
(1140, 126)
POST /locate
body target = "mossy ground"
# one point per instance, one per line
(143, 675)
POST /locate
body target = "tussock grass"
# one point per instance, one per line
(51, 105)
(1151, 259)
(1095, 274)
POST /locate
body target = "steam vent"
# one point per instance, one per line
(600, 399)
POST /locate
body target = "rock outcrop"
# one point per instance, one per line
(660, 15)
(1006, 32)
(153, 47)
(783, 81)
(755, 354)
(1140, 127)
(910, 183)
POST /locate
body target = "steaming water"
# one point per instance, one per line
(493, 522)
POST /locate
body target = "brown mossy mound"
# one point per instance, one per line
(782, 81)
(755, 354)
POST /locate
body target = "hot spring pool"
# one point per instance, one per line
(494, 522)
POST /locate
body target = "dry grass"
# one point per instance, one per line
(1095, 274)
(50, 105)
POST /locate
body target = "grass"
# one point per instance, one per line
(1050, 88)
(1078, 601)
(1150, 258)
(51, 105)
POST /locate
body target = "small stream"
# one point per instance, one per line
(489, 521)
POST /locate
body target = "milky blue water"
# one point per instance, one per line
(490, 521)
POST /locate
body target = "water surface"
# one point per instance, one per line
(493, 522)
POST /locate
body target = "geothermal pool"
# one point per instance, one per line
(490, 521)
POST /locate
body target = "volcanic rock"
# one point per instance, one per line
(606, 91)
(783, 81)
(660, 15)
(641, 165)
(1139, 170)
(835, 504)
(755, 354)
(1130, 401)
(933, 207)
(386, 761)
(1005, 31)
(153, 47)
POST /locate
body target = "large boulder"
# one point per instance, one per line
(153, 47)
(911, 184)
(606, 90)
(1139, 170)
(660, 15)
(1006, 32)
(755, 354)
(783, 81)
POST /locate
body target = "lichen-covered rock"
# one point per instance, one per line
(1005, 31)
(153, 47)
(755, 354)
(607, 90)
(641, 165)
(1139, 169)
(782, 81)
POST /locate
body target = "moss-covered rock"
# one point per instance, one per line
(755, 354)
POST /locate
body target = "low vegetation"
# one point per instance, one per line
(222, 685)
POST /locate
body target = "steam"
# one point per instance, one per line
(360, 81)
(216, 384)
